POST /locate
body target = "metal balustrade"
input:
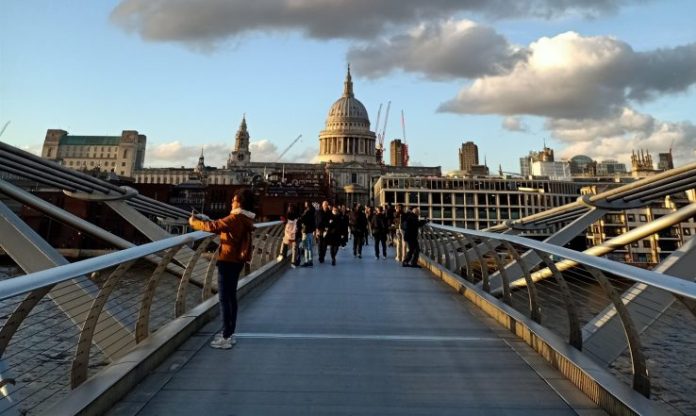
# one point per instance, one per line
(579, 293)
(44, 352)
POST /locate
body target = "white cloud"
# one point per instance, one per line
(512, 123)
(32, 148)
(175, 154)
(449, 49)
(616, 137)
(571, 76)
(205, 23)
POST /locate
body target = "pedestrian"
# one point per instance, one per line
(308, 227)
(290, 236)
(323, 217)
(378, 224)
(410, 223)
(358, 226)
(389, 213)
(344, 225)
(333, 235)
(399, 245)
(235, 250)
(368, 214)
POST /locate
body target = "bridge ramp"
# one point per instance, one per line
(366, 336)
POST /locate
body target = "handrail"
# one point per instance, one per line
(25, 284)
(671, 284)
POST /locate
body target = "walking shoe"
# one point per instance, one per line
(293, 266)
(333, 262)
(359, 256)
(280, 257)
(223, 343)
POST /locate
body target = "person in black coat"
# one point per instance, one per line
(323, 217)
(410, 223)
(358, 227)
(307, 226)
(379, 227)
(333, 236)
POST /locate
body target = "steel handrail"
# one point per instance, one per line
(24, 284)
(666, 282)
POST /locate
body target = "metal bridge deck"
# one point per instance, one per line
(364, 337)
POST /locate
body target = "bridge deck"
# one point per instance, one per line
(364, 337)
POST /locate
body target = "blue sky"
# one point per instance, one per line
(600, 79)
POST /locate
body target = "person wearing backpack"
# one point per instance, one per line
(290, 237)
(236, 236)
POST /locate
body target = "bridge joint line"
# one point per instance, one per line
(365, 337)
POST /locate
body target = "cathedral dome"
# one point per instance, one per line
(347, 136)
(348, 107)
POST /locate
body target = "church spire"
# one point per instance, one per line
(348, 85)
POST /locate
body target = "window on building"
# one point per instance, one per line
(634, 244)
(643, 218)
(631, 217)
(125, 153)
(49, 153)
(353, 178)
(646, 243)
(123, 164)
(687, 231)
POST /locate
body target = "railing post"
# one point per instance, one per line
(142, 327)
(641, 379)
(463, 241)
(534, 307)
(507, 295)
(79, 365)
(483, 264)
(574, 331)
(180, 306)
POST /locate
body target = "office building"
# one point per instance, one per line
(121, 155)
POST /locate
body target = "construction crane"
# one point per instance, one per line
(8, 122)
(379, 148)
(288, 148)
(404, 146)
(379, 113)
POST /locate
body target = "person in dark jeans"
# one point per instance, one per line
(323, 217)
(358, 227)
(235, 250)
(379, 227)
(308, 228)
(410, 222)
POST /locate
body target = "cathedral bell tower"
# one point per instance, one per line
(240, 156)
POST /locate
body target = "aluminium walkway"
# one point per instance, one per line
(364, 337)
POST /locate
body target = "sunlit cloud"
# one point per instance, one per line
(512, 123)
(206, 23)
(572, 76)
(616, 137)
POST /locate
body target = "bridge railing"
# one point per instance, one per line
(46, 352)
(638, 324)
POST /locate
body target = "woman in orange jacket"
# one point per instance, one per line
(235, 250)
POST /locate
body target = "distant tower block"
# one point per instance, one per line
(468, 156)
(397, 153)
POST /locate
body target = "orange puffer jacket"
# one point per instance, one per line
(235, 234)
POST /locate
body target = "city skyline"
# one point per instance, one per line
(598, 78)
